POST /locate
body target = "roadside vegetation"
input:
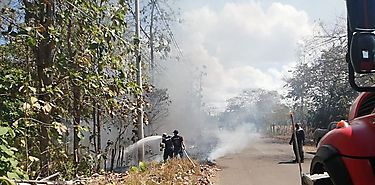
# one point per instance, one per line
(67, 74)
(319, 91)
(174, 171)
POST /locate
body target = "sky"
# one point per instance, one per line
(247, 43)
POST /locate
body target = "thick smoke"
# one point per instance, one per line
(231, 141)
(205, 137)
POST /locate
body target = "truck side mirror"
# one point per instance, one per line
(362, 51)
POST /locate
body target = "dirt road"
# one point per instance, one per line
(262, 163)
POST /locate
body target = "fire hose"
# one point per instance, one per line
(189, 157)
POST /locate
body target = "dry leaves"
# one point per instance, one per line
(176, 172)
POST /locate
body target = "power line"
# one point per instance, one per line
(169, 29)
(174, 42)
(132, 12)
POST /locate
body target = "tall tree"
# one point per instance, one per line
(319, 85)
(78, 59)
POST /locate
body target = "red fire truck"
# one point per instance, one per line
(346, 156)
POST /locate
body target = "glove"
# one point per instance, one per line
(162, 146)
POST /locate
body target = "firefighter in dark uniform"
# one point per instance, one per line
(300, 142)
(167, 145)
(178, 144)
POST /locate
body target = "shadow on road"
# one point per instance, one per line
(287, 162)
(312, 153)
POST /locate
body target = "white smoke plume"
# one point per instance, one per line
(204, 135)
(234, 140)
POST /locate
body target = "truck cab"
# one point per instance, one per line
(348, 154)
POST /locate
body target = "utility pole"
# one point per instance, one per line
(152, 62)
(139, 81)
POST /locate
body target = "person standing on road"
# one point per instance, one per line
(178, 144)
(167, 145)
(300, 142)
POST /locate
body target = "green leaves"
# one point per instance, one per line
(90, 64)
(12, 175)
(133, 169)
(3, 130)
(6, 181)
(31, 41)
(7, 151)
(142, 166)
(7, 130)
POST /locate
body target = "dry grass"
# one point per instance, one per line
(173, 172)
(176, 171)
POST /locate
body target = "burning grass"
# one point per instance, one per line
(176, 171)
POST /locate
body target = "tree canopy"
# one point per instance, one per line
(64, 64)
(319, 89)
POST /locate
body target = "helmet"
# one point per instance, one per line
(342, 124)
(175, 131)
(164, 135)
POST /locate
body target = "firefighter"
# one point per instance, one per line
(167, 145)
(178, 144)
(300, 142)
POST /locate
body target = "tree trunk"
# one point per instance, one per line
(94, 128)
(119, 156)
(77, 121)
(152, 57)
(122, 155)
(44, 61)
(98, 126)
(113, 156)
(76, 96)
